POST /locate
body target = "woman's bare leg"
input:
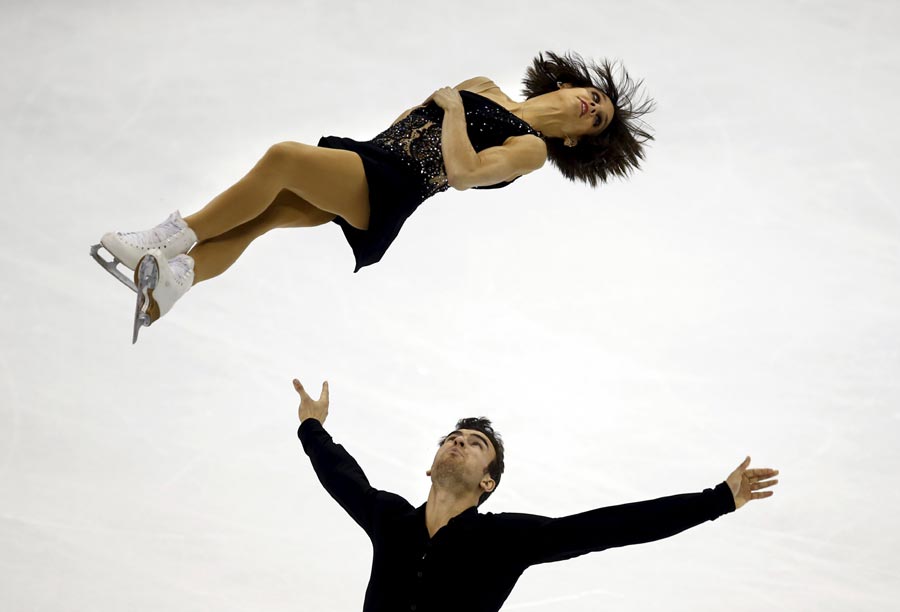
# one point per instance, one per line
(215, 255)
(333, 181)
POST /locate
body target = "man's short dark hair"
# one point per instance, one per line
(618, 149)
(495, 468)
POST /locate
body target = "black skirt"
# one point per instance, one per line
(395, 192)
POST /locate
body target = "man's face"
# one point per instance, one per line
(462, 461)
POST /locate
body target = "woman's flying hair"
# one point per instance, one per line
(618, 149)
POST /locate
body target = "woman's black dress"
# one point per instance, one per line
(404, 166)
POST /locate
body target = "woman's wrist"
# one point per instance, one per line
(454, 106)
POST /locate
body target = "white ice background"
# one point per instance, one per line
(739, 295)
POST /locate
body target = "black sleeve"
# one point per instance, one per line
(339, 473)
(541, 539)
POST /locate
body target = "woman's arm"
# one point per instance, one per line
(465, 168)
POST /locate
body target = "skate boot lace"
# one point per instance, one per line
(155, 236)
(181, 266)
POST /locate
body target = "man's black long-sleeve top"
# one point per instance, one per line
(482, 554)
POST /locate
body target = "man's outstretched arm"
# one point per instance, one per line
(553, 539)
(338, 472)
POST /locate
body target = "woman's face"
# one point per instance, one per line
(586, 110)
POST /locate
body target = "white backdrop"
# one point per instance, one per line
(739, 295)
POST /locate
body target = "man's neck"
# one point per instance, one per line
(443, 505)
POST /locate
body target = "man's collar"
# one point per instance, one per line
(468, 513)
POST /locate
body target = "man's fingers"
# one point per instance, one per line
(762, 473)
(762, 494)
(743, 465)
(763, 485)
(299, 388)
(323, 397)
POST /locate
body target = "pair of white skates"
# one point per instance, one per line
(163, 272)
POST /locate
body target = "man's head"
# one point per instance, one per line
(469, 458)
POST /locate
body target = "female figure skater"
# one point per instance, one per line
(581, 116)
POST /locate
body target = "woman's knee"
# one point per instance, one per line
(285, 154)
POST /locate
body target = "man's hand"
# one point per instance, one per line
(745, 484)
(310, 408)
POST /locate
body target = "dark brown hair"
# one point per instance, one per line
(618, 149)
(496, 467)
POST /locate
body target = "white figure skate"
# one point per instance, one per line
(171, 237)
(160, 283)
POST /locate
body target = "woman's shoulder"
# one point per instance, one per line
(487, 88)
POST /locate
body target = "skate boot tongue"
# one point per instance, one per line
(172, 237)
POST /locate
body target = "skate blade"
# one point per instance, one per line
(112, 266)
(146, 277)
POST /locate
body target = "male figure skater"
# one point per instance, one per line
(445, 556)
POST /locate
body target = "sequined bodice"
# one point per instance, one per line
(416, 139)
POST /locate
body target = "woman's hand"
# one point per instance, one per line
(310, 408)
(745, 484)
(447, 98)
